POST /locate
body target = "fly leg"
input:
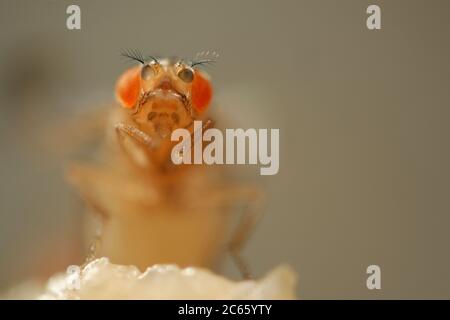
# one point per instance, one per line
(106, 193)
(150, 150)
(105, 190)
(93, 249)
(253, 198)
(209, 123)
(83, 177)
(250, 217)
(141, 140)
(133, 132)
(87, 180)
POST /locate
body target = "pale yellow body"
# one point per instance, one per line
(152, 210)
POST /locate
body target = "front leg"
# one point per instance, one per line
(135, 144)
(133, 132)
(209, 123)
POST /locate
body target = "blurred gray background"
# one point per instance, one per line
(363, 116)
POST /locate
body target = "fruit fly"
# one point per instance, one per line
(153, 211)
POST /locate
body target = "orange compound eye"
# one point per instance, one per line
(201, 92)
(128, 87)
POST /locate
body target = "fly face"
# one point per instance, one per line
(164, 95)
(165, 103)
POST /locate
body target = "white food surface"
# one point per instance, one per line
(101, 279)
